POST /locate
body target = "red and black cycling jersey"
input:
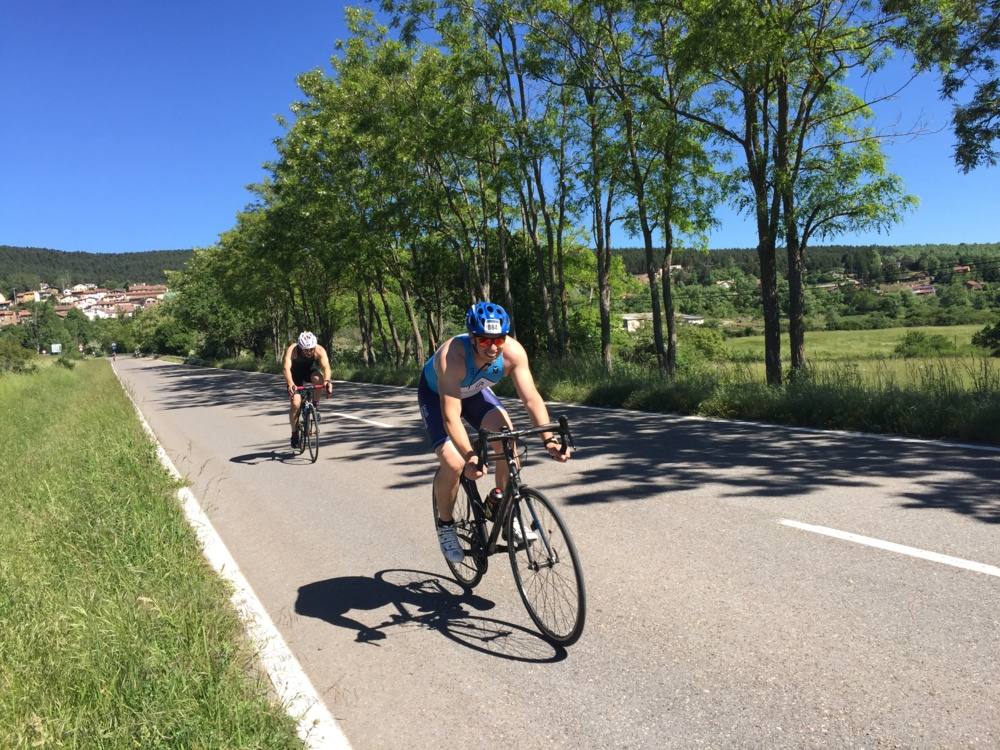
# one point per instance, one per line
(303, 367)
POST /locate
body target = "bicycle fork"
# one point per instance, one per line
(551, 558)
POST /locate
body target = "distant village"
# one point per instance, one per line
(91, 300)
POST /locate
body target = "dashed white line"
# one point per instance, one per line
(902, 549)
(359, 419)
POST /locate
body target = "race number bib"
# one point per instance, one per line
(492, 327)
(471, 390)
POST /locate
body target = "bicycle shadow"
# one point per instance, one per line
(285, 456)
(422, 600)
(252, 459)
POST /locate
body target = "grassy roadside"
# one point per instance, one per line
(115, 633)
(856, 346)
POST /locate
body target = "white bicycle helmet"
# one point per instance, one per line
(307, 340)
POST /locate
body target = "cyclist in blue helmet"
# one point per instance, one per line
(456, 384)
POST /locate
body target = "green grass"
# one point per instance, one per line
(855, 345)
(115, 633)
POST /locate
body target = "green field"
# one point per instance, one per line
(115, 632)
(856, 345)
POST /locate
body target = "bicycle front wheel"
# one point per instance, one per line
(546, 568)
(312, 436)
(470, 570)
(303, 430)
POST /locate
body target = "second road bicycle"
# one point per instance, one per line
(309, 421)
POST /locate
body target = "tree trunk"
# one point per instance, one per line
(376, 323)
(668, 294)
(639, 192)
(603, 250)
(391, 323)
(796, 292)
(418, 341)
(503, 237)
(367, 353)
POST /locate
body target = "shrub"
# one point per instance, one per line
(920, 344)
(989, 338)
(66, 362)
(14, 357)
(706, 343)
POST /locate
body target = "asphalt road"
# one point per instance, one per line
(710, 624)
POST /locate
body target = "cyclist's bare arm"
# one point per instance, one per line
(324, 364)
(450, 365)
(524, 383)
(287, 367)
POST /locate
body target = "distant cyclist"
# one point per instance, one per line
(305, 362)
(114, 350)
(455, 384)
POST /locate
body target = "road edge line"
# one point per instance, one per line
(316, 726)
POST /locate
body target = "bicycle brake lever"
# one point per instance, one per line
(565, 435)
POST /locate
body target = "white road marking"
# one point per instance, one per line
(958, 562)
(316, 726)
(360, 419)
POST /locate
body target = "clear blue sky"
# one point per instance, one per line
(131, 125)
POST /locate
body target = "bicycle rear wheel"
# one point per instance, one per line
(312, 436)
(547, 569)
(470, 570)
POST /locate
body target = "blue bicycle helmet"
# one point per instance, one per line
(487, 319)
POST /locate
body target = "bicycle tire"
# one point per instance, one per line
(312, 436)
(303, 429)
(470, 571)
(552, 590)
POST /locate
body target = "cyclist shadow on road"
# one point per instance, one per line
(421, 600)
(252, 459)
(284, 455)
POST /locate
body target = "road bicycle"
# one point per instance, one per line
(309, 421)
(544, 560)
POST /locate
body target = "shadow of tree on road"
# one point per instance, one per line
(644, 455)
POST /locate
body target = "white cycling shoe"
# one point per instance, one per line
(450, 548)
(518, 536)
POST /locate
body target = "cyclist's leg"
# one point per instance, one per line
(484, 410)
(447, 478)
(294, 404)
(317, 379)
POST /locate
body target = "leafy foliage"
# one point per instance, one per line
(989, 338)
(14, 358)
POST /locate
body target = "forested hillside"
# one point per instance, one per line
(23, 268)
(871, 262)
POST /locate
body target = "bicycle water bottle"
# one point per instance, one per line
(492, 502)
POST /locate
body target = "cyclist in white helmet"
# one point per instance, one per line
(305, 362)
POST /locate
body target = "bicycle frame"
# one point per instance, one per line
(510, 502)
(308, 393)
